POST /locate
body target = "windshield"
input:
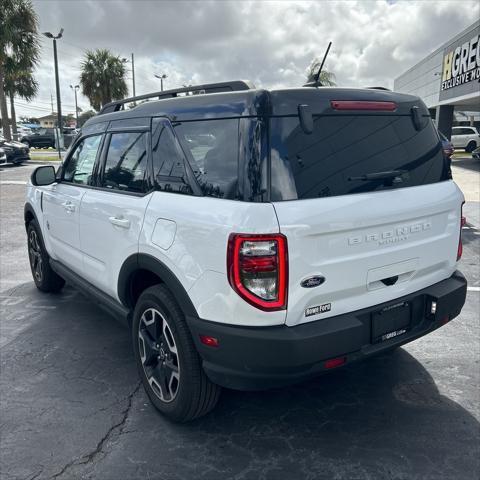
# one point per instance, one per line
(343, 151)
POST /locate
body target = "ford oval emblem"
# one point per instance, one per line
(311, 282)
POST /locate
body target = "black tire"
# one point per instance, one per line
(175, 382)
(44, 277)
(471, 146)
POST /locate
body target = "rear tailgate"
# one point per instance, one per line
(357, 241)
(372, 240)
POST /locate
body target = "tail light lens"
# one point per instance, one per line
(463, 221)
(257, 268)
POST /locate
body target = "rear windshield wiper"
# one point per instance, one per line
(395, 176)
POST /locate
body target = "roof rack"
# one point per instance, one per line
(234, 86)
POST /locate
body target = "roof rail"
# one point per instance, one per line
(379, 88)
(233, 86)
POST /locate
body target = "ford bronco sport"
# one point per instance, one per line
(251, 238)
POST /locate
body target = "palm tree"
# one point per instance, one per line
(21, 84)
(19, 46)
(326, 78)
(103, 77)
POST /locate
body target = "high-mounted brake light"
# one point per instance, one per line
(463, 222)
(257, 267)
(363, 105)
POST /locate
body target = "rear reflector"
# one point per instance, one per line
(463, 222)
(335, 362)
(209, 341)
(363, 105)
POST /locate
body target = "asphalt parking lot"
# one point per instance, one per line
(71, 406)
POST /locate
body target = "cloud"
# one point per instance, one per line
(269, 42)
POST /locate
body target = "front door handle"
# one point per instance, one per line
(68, 206)
(120, 222)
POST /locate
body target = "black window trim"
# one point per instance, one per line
(191, 179)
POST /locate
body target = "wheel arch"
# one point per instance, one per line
(29, 213)
(151, 271)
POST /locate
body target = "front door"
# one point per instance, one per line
(111, 215)
(61, 203)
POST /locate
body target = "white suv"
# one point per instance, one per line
(465, 137)
(246, 240)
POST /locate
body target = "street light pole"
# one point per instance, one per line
(161, 77)
(57, 86)
(133, 74)
(75, 88)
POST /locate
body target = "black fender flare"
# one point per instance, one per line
(143, 261)
(27, 211)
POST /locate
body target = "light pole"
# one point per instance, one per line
(161, 77)
(124, 60)
(57, 85)
(75, 88)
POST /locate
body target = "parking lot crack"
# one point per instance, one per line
(117, 428)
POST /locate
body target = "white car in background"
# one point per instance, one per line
(465, 137)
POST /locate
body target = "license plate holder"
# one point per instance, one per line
(391, 322)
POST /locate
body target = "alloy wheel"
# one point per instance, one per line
(35, 255)
(159, 355)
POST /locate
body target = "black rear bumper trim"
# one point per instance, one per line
(256, 358)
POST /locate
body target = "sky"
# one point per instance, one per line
(270, 43)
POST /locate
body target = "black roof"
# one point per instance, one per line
(250, 102)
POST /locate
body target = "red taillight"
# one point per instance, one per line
(209, 341)
(257, 267)
(335, 362)
(363, 105)
(463, 221)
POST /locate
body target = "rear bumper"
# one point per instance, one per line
(255, 358)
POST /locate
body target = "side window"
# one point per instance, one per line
(80, 165)
(168, 159)
(126, 162)
(212, 147)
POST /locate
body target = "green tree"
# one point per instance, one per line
(18, 83)
(84, 116)
(103, 78)
(19, 45)
(326, 79)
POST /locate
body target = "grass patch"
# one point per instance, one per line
(46, 158)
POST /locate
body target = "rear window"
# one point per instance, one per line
(342, 149)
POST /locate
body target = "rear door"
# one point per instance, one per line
(370, 240)
(111, 214)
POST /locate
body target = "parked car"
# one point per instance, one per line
(246, 241)
(15, 152)
(476, 154)
(447, 145)
(465, 137)
(41, 138)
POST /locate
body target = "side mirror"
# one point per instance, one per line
(306, 118)
(42, 176)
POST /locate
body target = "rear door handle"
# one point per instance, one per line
(120, 222)
(68, 206)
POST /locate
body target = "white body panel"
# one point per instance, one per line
(461, 140)
(197, 255)
(355, 241)
(61, 208)
(110, 225)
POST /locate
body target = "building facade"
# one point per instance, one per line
(448, 80)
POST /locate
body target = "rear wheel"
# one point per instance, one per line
(471, 146)
(44, 277)
(167, 361)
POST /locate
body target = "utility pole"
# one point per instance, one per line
(75, 88)
(57, 86)
(133, 74)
